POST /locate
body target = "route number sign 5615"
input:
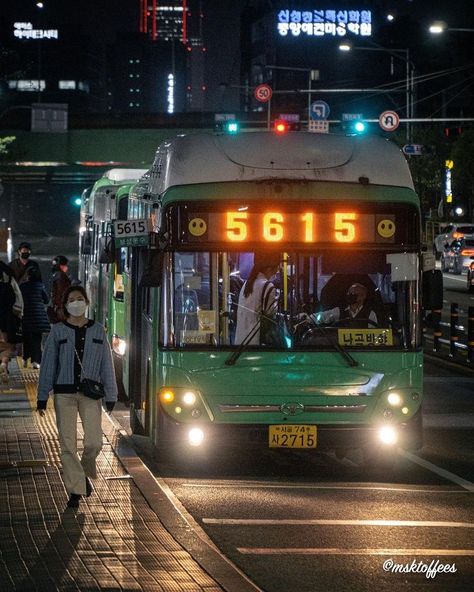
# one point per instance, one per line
(128, 228)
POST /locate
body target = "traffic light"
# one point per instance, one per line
(281, 126)
(77, 201)
(232, 127)
(356, 127)
(286, 123)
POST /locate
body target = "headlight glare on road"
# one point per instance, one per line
(388, 435)
(195, 436)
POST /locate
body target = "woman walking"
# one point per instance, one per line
(35, 319)
(11, 311)
(77, 358)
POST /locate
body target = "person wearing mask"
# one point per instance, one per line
(22, 263)
(11, 310)
(77, 349)
(60, 282)
(257, 294)
(358, 313)
(35, 319)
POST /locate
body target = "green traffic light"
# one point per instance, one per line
(77, 201)
(360, 127)
(232, 127)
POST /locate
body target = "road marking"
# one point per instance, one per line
(237, 484)
(336, 551)
(325, 522)
(438, 470)
(448, 420)
(456, 279)
(441, 379)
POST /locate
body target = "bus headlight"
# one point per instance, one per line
(394, 399)
(388, 435)
(184, 402)
(119, 345)
(189, 398)
(195, 436)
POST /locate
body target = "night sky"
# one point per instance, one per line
(104, 19)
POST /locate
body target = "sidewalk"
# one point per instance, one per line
(115, 541)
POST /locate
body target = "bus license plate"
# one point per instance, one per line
(292, 436)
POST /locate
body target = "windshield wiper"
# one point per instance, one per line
(344, 353)
(235, 355)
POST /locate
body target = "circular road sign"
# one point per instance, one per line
(389, 120)
(263, 93)
(319, 110)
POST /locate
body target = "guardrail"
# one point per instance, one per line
(459, 338)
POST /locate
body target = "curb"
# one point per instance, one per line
(173, 516)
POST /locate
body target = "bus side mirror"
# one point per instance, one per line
(86, 243)
(106, 250)
(151, 277)
(432, 290)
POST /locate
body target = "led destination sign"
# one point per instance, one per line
(277, 226)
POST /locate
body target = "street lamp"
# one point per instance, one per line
(439, 27)
(349, 46)
(39, 6)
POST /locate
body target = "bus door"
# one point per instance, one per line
(140, 343)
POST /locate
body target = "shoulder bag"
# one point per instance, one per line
(90, 388)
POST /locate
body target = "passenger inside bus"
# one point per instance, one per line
(207, 305)
(258, 294)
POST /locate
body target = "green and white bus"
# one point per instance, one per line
(100, 272)
(336, 211)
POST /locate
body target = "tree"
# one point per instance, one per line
(427, 169)
(4, 142)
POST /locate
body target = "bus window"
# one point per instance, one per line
(311, 301)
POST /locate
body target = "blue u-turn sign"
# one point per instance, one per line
(319, 110)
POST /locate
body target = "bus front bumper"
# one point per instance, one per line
(409, 434)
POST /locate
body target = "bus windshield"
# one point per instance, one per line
(366, 299)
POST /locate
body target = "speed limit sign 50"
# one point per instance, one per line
(263, 93)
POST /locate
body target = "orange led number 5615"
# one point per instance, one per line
(272, 226)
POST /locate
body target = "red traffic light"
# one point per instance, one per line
(281, 126)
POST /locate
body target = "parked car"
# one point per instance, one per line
(458, 255)
(451, 233)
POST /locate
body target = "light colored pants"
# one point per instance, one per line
(75, 470)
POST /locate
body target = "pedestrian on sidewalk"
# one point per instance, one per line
(77, 349)
(35, 319)
(22, 263)
(60, 282)
(11, 311)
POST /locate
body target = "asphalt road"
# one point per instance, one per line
(296, 521)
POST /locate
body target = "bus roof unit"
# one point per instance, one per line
(252, 156)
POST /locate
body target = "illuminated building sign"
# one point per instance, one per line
(448, 190)
(324, 23)
(26, 31)
(170, 95)
(278, 226)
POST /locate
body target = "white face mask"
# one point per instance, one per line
(76, 308)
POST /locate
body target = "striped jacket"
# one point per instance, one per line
(57, 364)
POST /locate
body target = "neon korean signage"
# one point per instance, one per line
(26, 31)
(324, 23)
(170, 93)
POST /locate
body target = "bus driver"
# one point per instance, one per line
(358, 312)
